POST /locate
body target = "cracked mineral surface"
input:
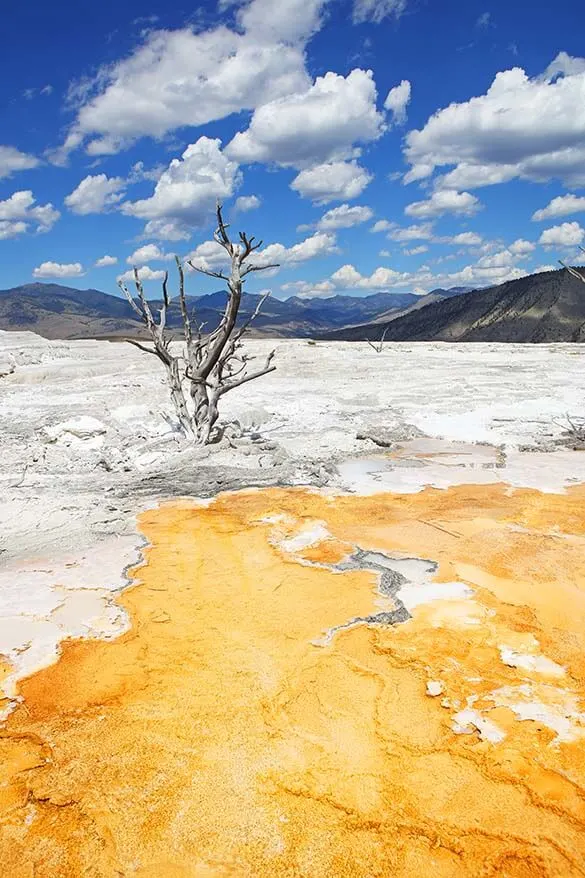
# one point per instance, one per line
(354, 657)
(217, 737)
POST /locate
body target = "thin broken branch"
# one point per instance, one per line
(218, 274)
(251, 377)
(183, 303)
(240, 332)
(251, 268)
(131, 300)
(379, 345)
(142, 347)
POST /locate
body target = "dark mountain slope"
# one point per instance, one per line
(436, 295)
(546, 307)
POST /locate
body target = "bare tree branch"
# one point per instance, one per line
(251, 268)
(183, 303)
(240, 332)
(160, 347)
(142, 347)
(128, 295)
(165, 289)
(148, 318)
(230, 385)
(218, 274)
(378, 345)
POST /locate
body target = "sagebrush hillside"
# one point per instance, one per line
(545, 307)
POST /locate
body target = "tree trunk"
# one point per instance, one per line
(178, 396)
(200, 400)
(210, 419)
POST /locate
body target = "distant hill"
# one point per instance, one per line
(545, 307)
(436, 295)
(56, 311)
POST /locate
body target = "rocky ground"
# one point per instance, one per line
(89, 440)
(87, 429)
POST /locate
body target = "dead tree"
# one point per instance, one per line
(214, 363)
(377, 346)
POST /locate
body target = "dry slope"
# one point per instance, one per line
(546, 307)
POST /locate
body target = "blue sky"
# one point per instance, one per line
(373, 144)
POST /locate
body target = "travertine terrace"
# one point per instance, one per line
(305, 653)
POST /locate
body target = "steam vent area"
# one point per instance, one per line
(367, 665)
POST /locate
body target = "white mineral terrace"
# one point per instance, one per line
(88, 442)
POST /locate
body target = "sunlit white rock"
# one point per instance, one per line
(84, 429)
(468, 720)
(310, 535)
(535, 663)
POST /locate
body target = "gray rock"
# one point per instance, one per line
(387, 437)
(84, 428)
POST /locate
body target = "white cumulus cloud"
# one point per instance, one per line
(332, 181)
(381, 226)
(105, 261)
(12, 160)
(420, 232)
(562, 205)
(148, 253)
(320, 124)
(344, 217)
(186, 193)
(190, 77)
(444, 201)
(521, 247)
(565, 235)
(210, 255)
(295, 22)
(96, 194)
(59, 269)
(397, 100)
(247, 202)
(489, 270)
(306, 290)
(416, 251)
(139, 172)
(349, 278)
(319, 244)
(533, 128)
(10, 229)
(144, 273)
(466, 239)
(20, 213)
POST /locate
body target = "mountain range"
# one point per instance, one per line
(56, 311)
(544, 307)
